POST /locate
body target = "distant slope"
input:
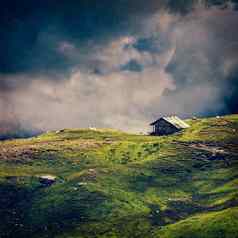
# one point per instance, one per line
(213, 224)
(113, 184)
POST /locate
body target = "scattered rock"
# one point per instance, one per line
(60, 131)
(47, 180)
(92, 173)
(81, 183)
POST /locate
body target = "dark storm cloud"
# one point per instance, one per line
(29, 30)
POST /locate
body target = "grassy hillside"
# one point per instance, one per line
(112, 184)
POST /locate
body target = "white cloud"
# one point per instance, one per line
(129, 100)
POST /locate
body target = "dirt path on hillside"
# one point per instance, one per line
(212, 149)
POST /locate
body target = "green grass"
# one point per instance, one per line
(221, 224)
(113, 184)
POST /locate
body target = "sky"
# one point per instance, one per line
(115, 64)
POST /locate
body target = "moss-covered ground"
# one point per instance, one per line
(113, 184)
